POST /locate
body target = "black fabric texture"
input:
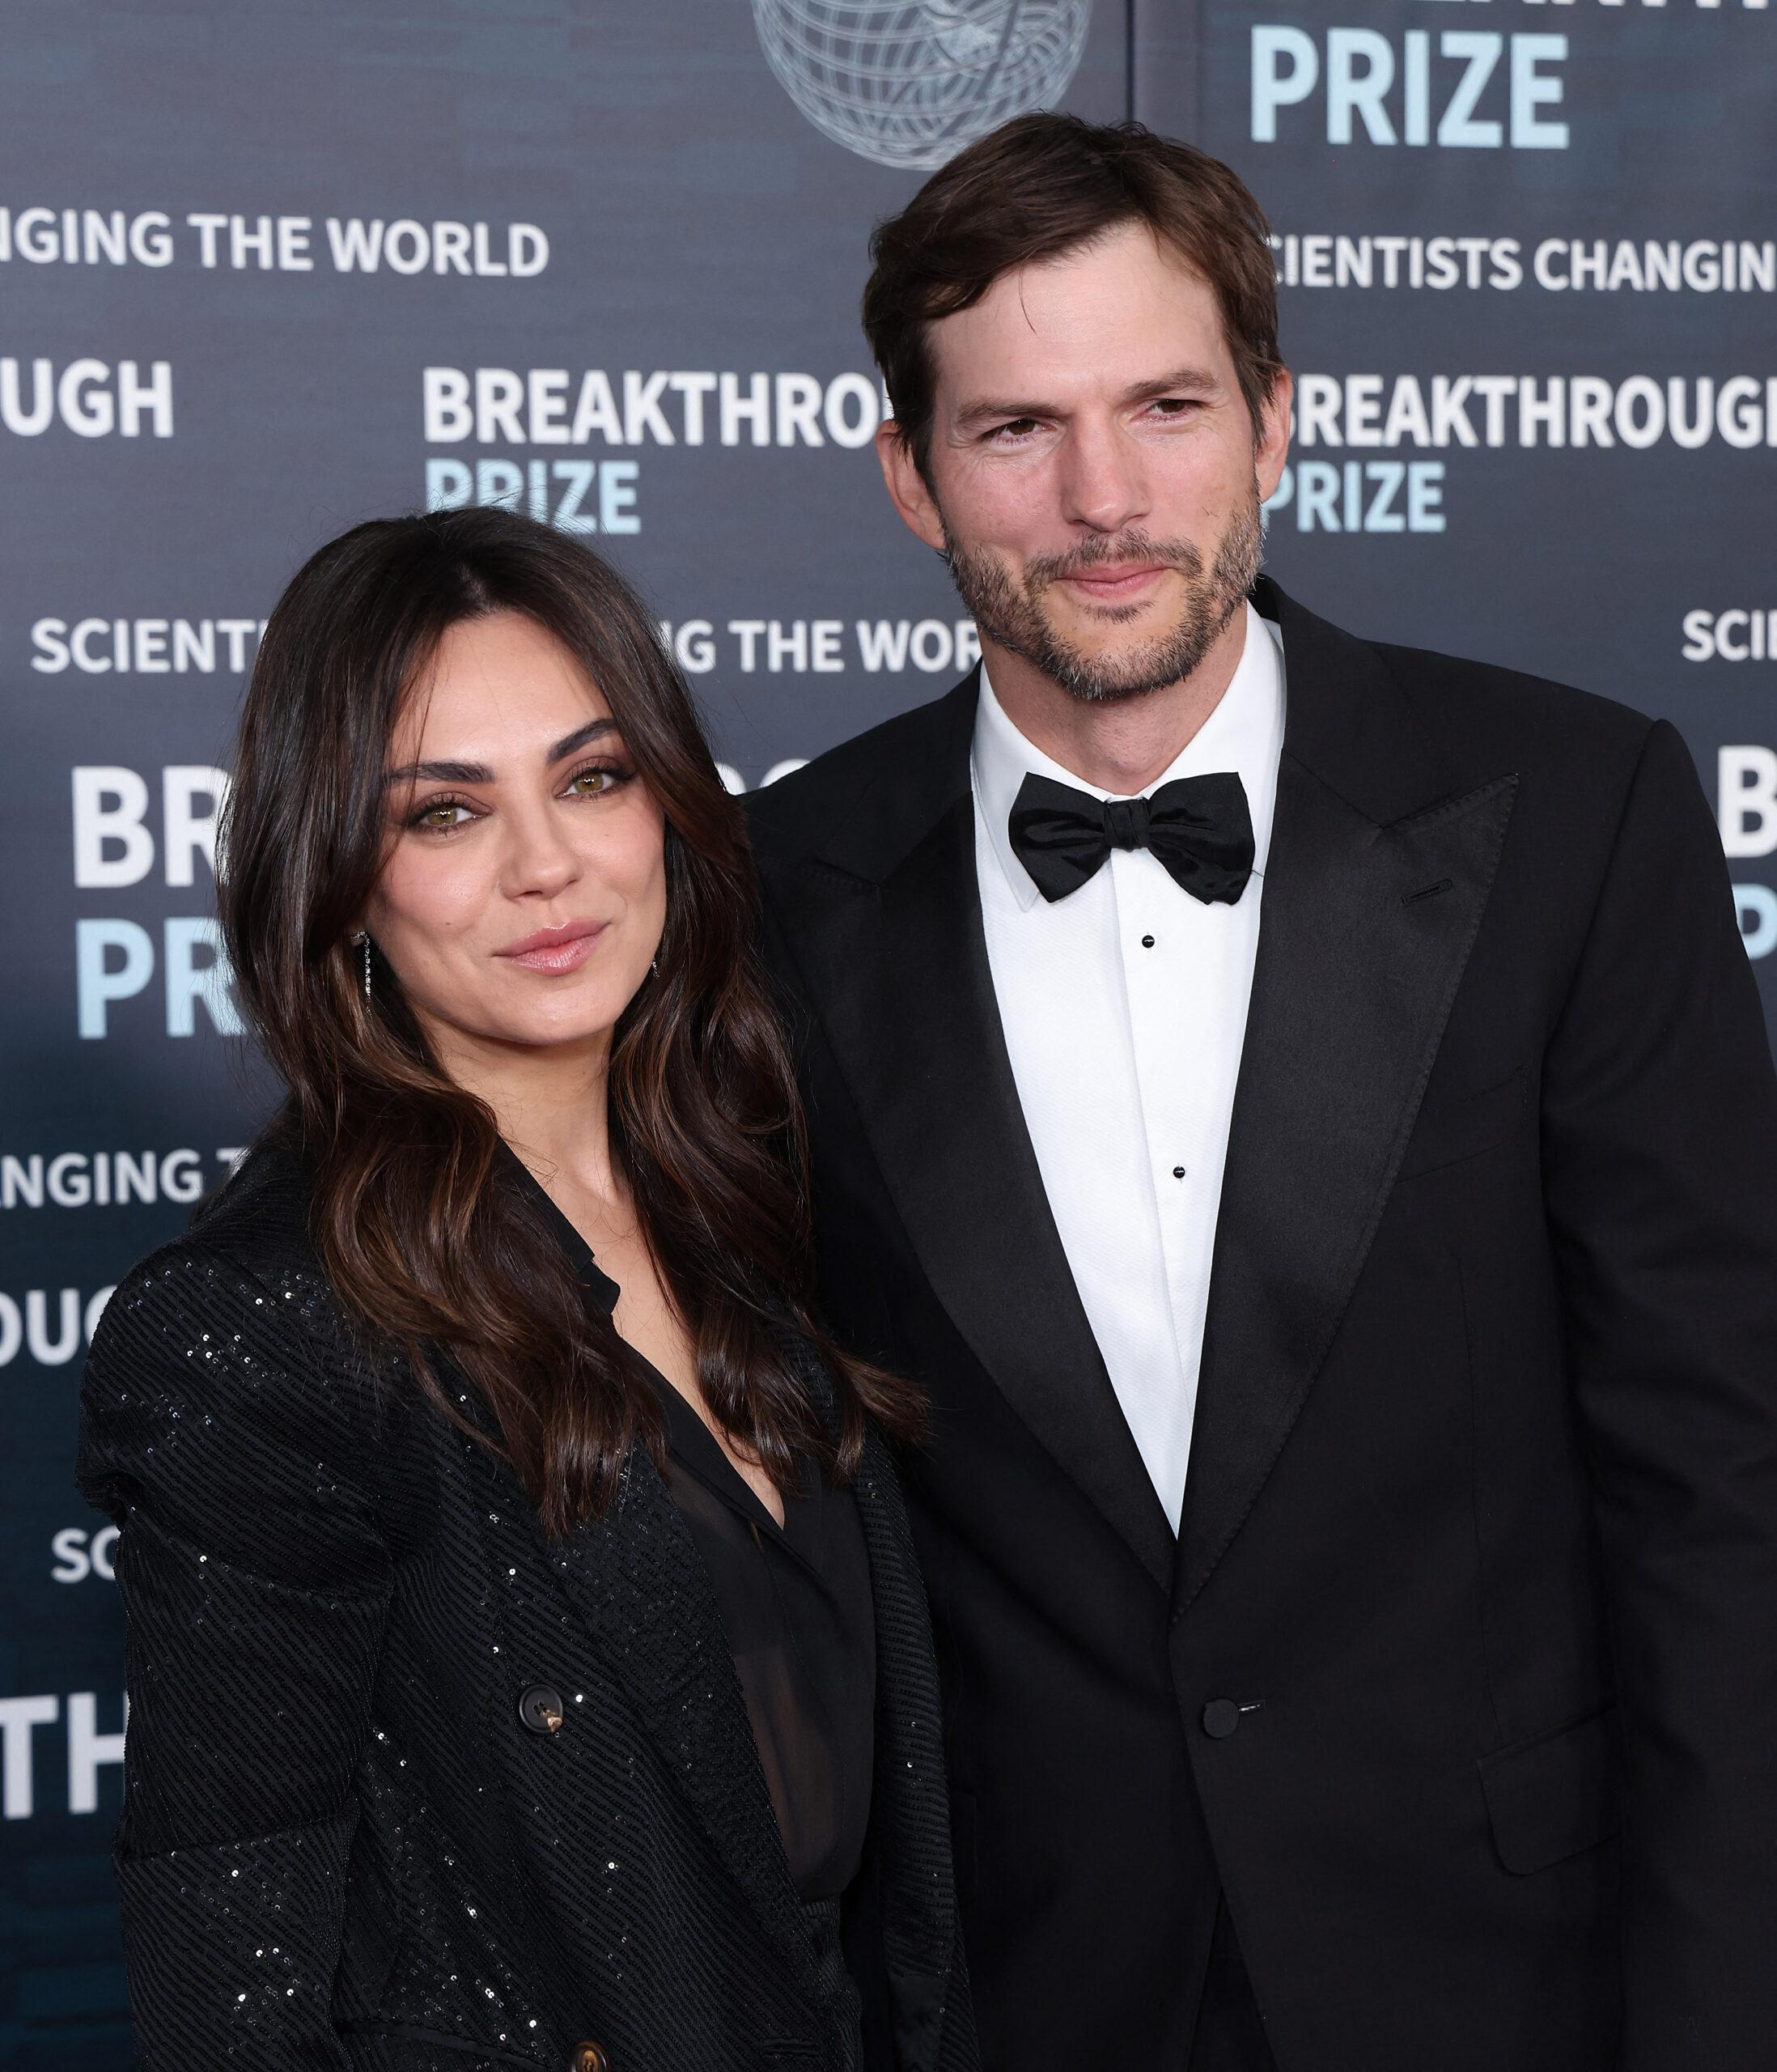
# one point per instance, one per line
(1445, 1731)
(795, 1605)
(342, 1845)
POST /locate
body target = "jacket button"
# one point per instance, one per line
(589, 2058)
(1221, 1715)
(541, 1710)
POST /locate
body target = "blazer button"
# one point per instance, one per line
(1221, 1715)
(541, 1710)
(589, 2058)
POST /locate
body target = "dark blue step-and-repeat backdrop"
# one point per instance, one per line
(266, 270)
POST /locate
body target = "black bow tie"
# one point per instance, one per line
(1198, 827)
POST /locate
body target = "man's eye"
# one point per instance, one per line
(1016, 427)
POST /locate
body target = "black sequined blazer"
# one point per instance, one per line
(349, 1839)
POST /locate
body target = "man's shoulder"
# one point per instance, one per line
(1484, 712)
(796, 813)
(1481, 717)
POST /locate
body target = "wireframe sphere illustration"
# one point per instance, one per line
(910, 84)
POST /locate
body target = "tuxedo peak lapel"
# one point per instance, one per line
(885, 925)
(1367, 926)
(905, 777)
(1349, 722)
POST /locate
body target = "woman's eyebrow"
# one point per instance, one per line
(478, 773)
(590, 732)
(439, 773)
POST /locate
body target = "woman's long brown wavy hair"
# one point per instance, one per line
(423, 1237)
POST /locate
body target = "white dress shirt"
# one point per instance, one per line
(1124, 1006)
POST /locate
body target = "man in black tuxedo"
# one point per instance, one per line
(1301, 1109)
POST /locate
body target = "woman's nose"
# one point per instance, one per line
(541, 860)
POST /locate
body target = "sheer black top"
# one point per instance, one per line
(797, 1607)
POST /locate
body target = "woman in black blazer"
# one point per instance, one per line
(527, 1665)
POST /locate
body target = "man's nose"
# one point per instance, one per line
(1103, 483)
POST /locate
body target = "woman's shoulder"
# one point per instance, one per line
(245, 1260)
(228, 1410)
(261, 1209)
(232, 1327)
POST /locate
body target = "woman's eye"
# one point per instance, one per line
(594, 782)
(442, 817)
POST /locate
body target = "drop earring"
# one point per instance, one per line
(362, 938)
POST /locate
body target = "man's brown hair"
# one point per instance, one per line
(1035, 188)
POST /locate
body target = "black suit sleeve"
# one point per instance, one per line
(1660, 1154)
(256, 1584)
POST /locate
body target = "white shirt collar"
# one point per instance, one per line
(1245, 733)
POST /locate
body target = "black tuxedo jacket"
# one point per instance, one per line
(347, 1845)
(1459, 1683)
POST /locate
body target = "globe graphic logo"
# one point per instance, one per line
(909, 85)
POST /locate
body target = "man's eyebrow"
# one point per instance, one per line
(478, 773)
(1182, 377)
(975, 415)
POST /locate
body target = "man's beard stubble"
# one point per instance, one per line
(1010, 612)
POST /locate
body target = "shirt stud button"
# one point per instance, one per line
(1147, 942)
(1178, 1172)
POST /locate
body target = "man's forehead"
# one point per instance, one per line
(1120, 312)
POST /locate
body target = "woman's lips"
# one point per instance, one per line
(556, 950)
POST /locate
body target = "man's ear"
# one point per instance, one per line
(1273, 436)
(906, 486)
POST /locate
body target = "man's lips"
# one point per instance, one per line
(563, 949)
(1113, 585)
